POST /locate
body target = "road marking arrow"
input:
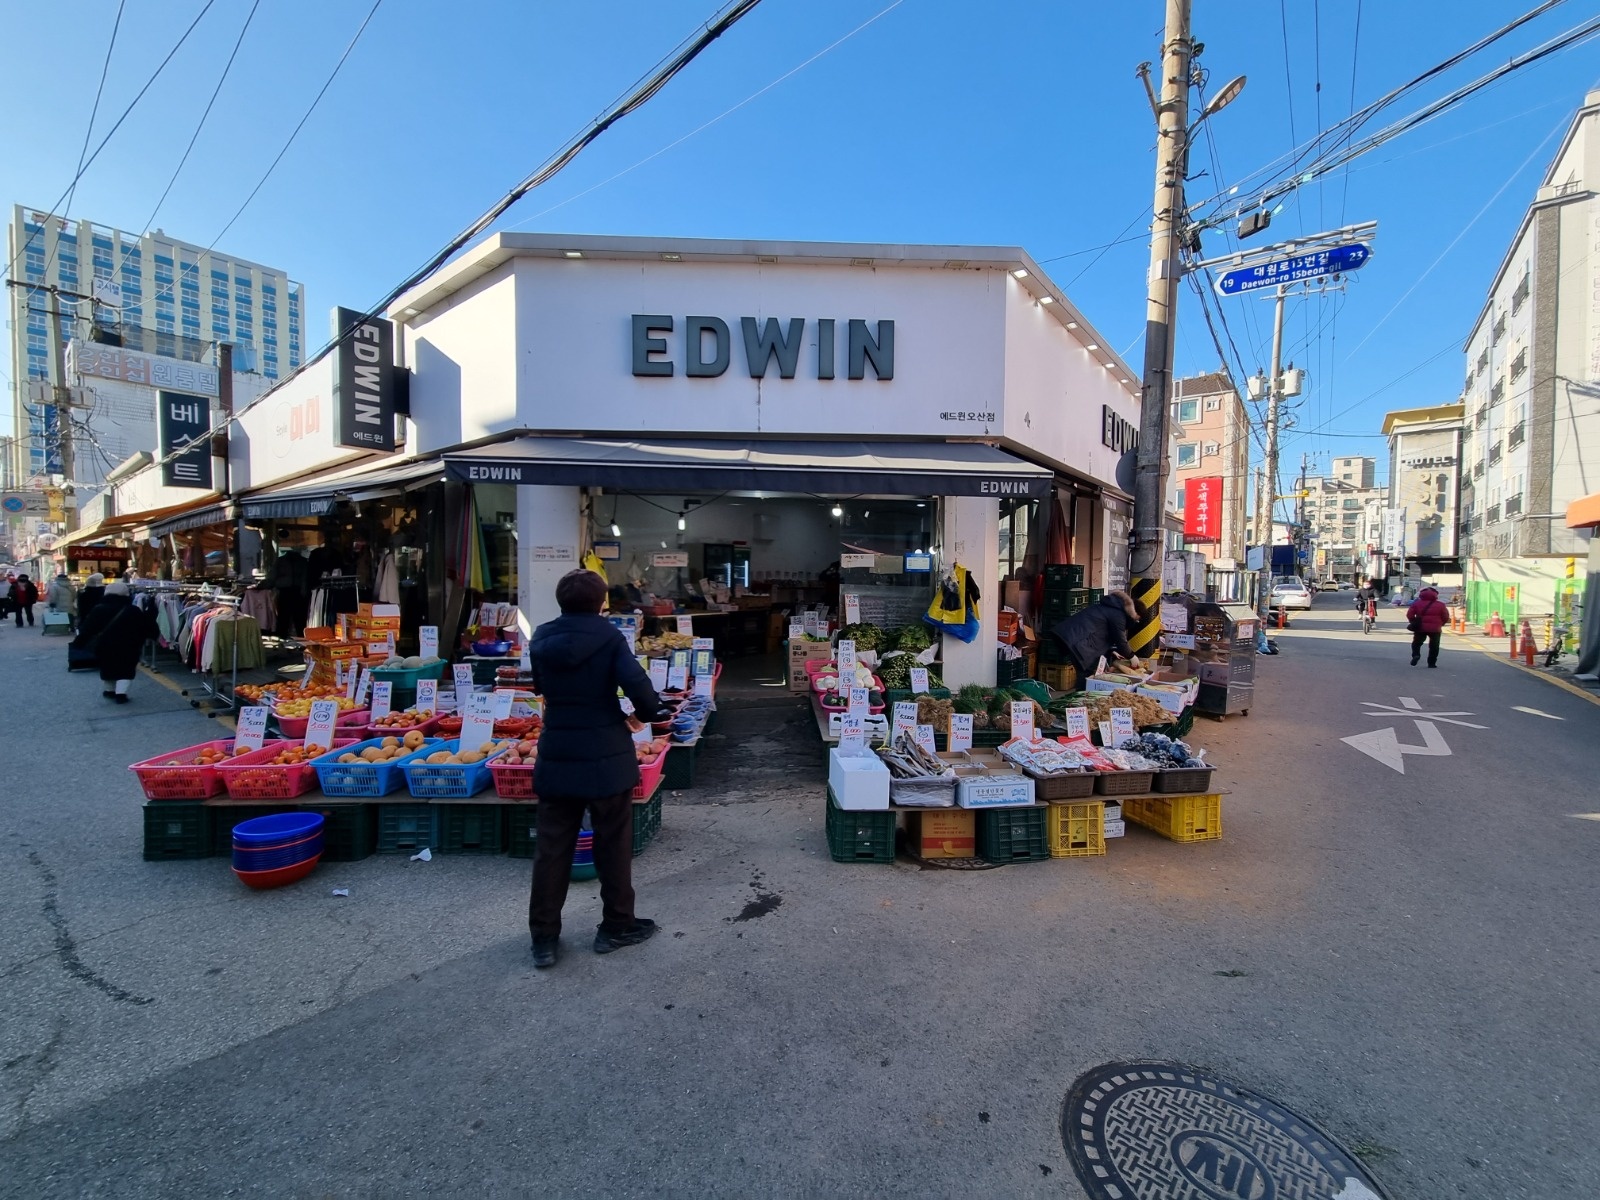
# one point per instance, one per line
(1386, 746)
(1535, 712)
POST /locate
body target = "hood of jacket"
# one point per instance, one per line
(1428, 593)
(1122, 602)
(572, 640)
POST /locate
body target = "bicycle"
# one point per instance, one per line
(1558, 643)
(1369, 616)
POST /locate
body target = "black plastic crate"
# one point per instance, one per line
(405, 828)
(1063, 575)
(176, 829)
(646, 822)
(349, 831)
(860, 837)
(678, 773)
(225, 816)
(470, 828)
(1013, 835)
(522, 834)
(1009, 670)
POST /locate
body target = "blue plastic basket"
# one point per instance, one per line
(364, 780)
(271, 832)
(272, 860)
(447, 781)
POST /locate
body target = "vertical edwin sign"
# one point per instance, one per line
(364, 381)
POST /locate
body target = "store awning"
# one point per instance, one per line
(119, 524)
(1584, 512)
(318, 499)
(707, 465)
(211, 514)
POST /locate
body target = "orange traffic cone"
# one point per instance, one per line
(1496, 627)
(1527, 643)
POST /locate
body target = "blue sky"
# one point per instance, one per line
(940, 121)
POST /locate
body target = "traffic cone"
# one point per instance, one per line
(1527, 643)
(1283, 618)
(1496, 627)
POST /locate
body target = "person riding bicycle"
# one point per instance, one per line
(1367, 600)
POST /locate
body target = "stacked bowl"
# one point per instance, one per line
(271, 851)
(583, 857)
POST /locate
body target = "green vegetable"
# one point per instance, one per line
(914, 638)
(866, 636)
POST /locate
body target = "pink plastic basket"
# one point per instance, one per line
(255, 776)
(649, 776)
(355, 720)
(513, 781)
(186, 781)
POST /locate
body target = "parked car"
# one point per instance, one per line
(1290, 593)
(1346, 586)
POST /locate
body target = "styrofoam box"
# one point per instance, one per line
(1113, 812)
(1095, 684)
(1173, 702)
(859, 782)
(997, 789)
(1115, 828)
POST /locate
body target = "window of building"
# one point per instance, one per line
(1186, 411)
(1188, 454)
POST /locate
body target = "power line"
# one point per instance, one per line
(87, 163)
(226, 67)
(94, 112)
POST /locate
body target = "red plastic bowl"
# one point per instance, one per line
(278, 877)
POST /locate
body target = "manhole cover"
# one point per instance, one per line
(1163, 1131)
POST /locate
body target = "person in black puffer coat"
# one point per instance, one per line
(116, 631)
(1101, 630)
(586, 761)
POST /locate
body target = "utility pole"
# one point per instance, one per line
(1266, 500)
(1149, 500)
(1302, 541)
(61, 395)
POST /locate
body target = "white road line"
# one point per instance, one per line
(1587, 816)
(1534, 712)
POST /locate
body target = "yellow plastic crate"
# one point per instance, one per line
(1076, 830)
(1181, 818)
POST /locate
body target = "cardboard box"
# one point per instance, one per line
(859, 782)
(800, 653)
(994, 789)
(1115, 829)
(942, 833)
(1113, 811)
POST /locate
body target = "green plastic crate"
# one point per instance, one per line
(1013, 835)
(894, 695)
(646, 822)
(522, 833)
(176, 829)
(405, 828)
(679, 770)
(1063, 575)
(225, 816)
(859, 837)
(349, 831)
(1008, 670)
(470, 828)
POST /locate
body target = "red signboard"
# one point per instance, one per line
(1202, 509)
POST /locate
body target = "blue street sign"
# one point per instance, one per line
(1313, 265)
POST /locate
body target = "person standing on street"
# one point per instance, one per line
(93, 589)
(116, 632)
(8, 583)
(61, 597)
(24, 596)
(1426, 618)
(586, 761)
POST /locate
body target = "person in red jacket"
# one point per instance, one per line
(1426, 618)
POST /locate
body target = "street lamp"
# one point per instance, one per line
(1229, 93)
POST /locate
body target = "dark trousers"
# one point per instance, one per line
(558, 823)
(1433, 647)
(21, 609)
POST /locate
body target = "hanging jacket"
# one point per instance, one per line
(1101, 630)
(1428, 611)
(585, 749)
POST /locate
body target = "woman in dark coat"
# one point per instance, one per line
(1101, 630)
(93, 589)
(586, 761)
(116, 632)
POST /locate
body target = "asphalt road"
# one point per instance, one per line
(1408, 959)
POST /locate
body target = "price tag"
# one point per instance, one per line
(525, 663)
(1105, 734)
(462, 673)
(1178, 641)
(502, 703)
(852, 730)
(919, 679)
(797, 630)
(627, 705)
(810, 623)
(677, 678)
(428, 641)
(1077, 722)
(641, 736)
(477, 721)
(680, 658)
(319, 730)
(703, 685)
(852, 609)
(1022, 719)
(658, 673)
(925, 738)
(686, 626)
(846, 657)
(631, 634)
(251, 730)
(388, 643)
(701, 643)
(905, 715)
(351, 681)
(961, 731)
(427, 695)
(858, 701)
(705, 663)
(851, 562)
(1121, 725)
(382, 698)
(363, 687)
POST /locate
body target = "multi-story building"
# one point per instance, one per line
(1211, 439)
(1531, 442)
(153, 297)
(1356, 470)
(1425, 485)
(1343, 519)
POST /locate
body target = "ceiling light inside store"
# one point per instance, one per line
(682, 524)
(837, 511)
(572, 253)
(616, 530)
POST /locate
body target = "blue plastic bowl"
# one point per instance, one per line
(491, 649)
(265, 833)
(271, 860)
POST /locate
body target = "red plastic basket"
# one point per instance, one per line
(294, 728)
(255, 776)
(188, 781)
(382, 731)
(649, 776)
(513, 781)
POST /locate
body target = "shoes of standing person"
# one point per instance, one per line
(120, 697)
(109, 695)
(544, 951)
(605, 941)
(1432, 665)
(1414, 661)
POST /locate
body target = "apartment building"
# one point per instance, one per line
(1425, 485)
(1344, 519)
(1211, 440)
